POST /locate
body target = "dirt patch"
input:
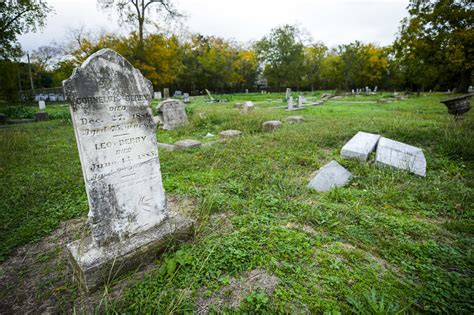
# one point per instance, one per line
(231, 296)
(221, 221)
(37, 277)
(302, 227)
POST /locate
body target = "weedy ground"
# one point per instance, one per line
(389, 242)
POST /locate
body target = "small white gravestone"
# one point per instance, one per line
(248, 107)
(115, 133)
(401, 156)
(330, 176)
(360, 146)
(300, 101)
(230, 133)
(375, 89)
(288, 93)
(246, 91)
(172, 114)
(290, 103)
(166, 93)
(469, 90)
(157, 95)
(186, 98)
(42, 105)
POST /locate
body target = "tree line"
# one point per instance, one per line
(433, 51)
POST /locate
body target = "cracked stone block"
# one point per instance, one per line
(400, 155)
(360, 146)
(330, 176)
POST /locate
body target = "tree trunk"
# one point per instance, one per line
(465, 81)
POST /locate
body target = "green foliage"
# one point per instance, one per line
(17, 18)
(389, 242)
(282, 53)
(435, 44)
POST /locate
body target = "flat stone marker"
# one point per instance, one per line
(270, 126)
(360, 146)
(330, 176)
(42, 105)
(187, 144)
(115, 133)
(401, 156)
(172, 114)
(295, 119)
(230, 133)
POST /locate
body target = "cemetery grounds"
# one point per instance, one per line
(388, 242)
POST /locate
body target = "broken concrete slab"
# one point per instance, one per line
(401, 156)
(41, 116)
(295, 119)
(187, 144)
(230, 133)
(270, 126)
(360, 146)
(330, 176)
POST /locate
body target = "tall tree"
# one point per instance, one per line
(139, 13)
(436, 42)
(282, 54)
(16, 18)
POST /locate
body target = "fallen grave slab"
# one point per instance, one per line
(230, 133)
(187, 144)
(360, 146)
(400, 155)
(330, 176)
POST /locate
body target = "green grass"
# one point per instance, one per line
(389, 242)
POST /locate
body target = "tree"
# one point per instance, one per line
(436, 43)
(282, 54)
(16, 18)
(137, 12)
(313, 59)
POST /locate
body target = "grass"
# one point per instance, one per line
(389, 242)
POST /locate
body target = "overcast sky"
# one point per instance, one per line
(333, 22)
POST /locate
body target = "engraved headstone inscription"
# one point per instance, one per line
(115, 133)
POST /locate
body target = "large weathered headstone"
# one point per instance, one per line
(271, 125)
(400, 155)
(115, 133)
(330, 176)
(360, 146)
(172, 114)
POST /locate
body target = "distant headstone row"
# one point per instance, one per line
(51, 97)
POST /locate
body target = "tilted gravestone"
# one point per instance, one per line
(115, 133)
(172, 114)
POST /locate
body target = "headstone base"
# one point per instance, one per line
(94, 266)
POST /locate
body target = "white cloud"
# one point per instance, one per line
(331, 21)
